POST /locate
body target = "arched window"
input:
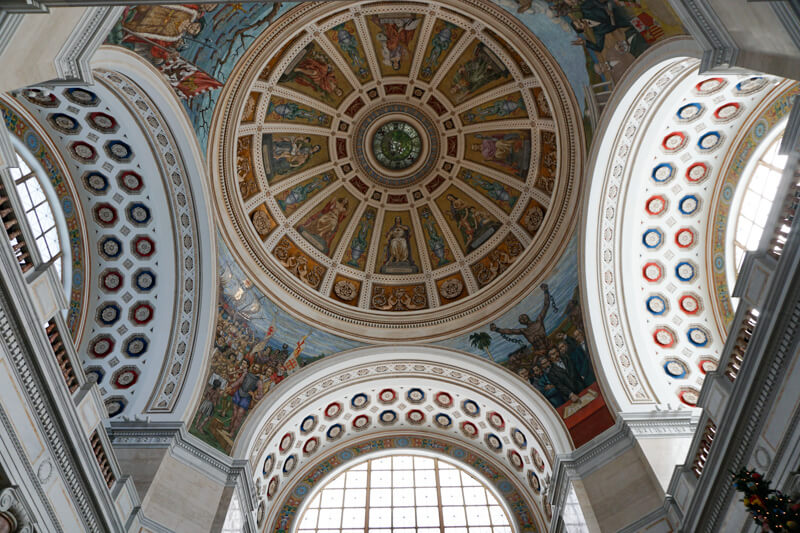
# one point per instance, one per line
(31, 191)
(755, 200)
(402, 493)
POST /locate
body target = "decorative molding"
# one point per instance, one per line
(9, 22)
(720, 51)
(75, 469)
(13, 507)
(791, 136)
(659, 424)
(185, 229)
(72, 61)
(789, 15)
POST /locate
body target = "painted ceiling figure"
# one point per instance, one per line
(604, 17)
(312, 69)
(396, 36)
(533, 331)
(320, 229)
(397, 255)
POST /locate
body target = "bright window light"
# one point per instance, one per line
(757, 201)
(38, 213)
(403, 494)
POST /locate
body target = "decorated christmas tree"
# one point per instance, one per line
(770, 509)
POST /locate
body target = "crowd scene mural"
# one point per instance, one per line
(256, 346)
(542, 340)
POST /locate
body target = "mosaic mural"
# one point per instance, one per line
(256, 346)
(195, 46)
(542, 339)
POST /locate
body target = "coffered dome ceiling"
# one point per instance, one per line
(397, 165)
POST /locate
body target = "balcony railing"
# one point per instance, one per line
(102, 459)
(62, 355)
(704, 448)
(788, 210)
(14, 231)
(743, 337)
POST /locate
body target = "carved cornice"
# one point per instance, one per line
(189, 451)
(659, 424)
(75, 470)
(72, 61)
(720, 51)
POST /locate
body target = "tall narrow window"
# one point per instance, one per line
(757, 199)
(38, 212)
(404, 493)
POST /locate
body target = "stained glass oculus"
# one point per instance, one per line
(396, 145)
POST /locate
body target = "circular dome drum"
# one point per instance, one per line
(384, 166)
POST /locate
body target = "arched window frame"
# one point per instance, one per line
(32, 210)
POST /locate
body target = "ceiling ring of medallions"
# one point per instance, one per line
(397, 165)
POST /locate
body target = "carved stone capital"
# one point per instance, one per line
(16, 511)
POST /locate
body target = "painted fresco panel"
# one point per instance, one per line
(398, 253)
(295, 197)
(444, 36)
(346, 39)
(503, 196)
(314, 74)
(506, 151)
(324, 225)
(469, 221)
(476, 71)
(395, 37)
(284, 110)
(286, 154)
(501, 108)
(356, 254)
(438, 249)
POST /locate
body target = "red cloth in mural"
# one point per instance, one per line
(187, 79)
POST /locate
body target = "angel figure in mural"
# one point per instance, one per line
(395, 37)
(533, 330)
(349, 44)
(320, 229)
(248, 388)
(312, 69)
(441, 41)
(397, 255)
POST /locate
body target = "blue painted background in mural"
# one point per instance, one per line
(562, 283)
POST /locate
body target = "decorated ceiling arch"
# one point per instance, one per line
(655, 258)
(412, 398)
(127, 188)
